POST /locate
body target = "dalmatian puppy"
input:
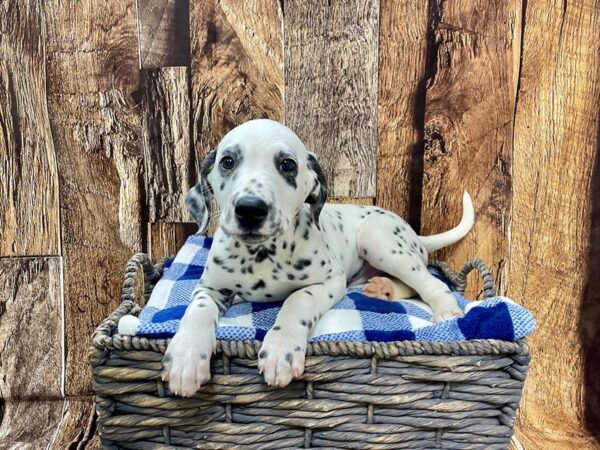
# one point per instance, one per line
(278, 240)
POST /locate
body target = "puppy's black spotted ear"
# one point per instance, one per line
(198, 199)
(318, 194)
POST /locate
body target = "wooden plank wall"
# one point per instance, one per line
(107, 109)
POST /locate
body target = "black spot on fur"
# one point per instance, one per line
(277, 328)
(290, 276)
(308, 292)
(263, 354)
(203, 356)
(303, 277)
(217, 260)
(330, 295)
(293, 247)
(297, 348)
(284, 246)
(304, 323)
(238, 285)
(288, 358)
(306, 235)
(322, 262)
(201, 305)
(260, 284)
(302, 263)
(261, 255)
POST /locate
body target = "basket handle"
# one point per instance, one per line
(460, 279)
(151, 274)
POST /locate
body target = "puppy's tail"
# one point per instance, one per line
(437, 241)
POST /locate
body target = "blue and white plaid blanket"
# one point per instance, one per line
(355, 318)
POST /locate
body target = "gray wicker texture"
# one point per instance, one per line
(353, 395)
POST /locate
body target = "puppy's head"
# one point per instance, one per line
(260, 174)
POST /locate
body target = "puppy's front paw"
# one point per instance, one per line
(444, 307)
(281, 357)
(379, 287)
(186, 364)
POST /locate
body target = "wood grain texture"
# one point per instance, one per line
(556, 140)
(400, 107)
(168, 154)
(48, 424)
(167, 238)
(331, 88)
(76, 426)
(163, 33)
(470, 98)
(92, 64)
(237, 66)
(31, 335)
(29, 222)
(29, 425)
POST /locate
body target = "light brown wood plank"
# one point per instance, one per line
(400, 109)
(29, 223)
(164, 33)
(92, 64)
(29, 425)
(168, 153)
(48, 424)
(470, 98)
(331, 88)
(369, 201)
(555, 200)
(167, 238)
(76, 427)
(237, 66)
(31, 337)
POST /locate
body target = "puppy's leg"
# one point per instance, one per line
(281, 356)
(390, 245)
(186, 364)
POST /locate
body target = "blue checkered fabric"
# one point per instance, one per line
(355, 318)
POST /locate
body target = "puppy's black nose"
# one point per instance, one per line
(251, 212)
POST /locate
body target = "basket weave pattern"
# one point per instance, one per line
(353, 395)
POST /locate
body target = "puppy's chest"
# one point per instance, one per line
(270, 273)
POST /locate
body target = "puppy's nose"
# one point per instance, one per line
(251, 212)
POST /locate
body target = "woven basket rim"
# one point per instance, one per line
(106, 339)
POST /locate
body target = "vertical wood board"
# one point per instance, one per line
(168, 153)
(556, 140)
(331, 88)
(400, 107)
(31, 335)
(237, 67)
(92, 64)
(29, 219)
(468, 127)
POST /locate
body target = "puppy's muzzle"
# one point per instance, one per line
(251, 213)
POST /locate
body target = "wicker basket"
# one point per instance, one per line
(353, 395)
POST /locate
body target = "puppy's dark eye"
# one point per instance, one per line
(227, 163)
(288, 165)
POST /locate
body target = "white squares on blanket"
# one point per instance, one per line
(245, 320)
(160, 294)
(417, 322)
(186, 254)
(338, 321)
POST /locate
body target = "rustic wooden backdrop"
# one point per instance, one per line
(107, 108)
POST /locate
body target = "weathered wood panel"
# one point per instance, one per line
(29, 425)
(237, 66)
(556, 138)
(331, 88)
(470, 98)
(400, 108)
(168, 153)
(164, 33)
(48, 424)
(92, 65)
(29, 223)
(167, 238)
(76, 426)
(31, 334)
